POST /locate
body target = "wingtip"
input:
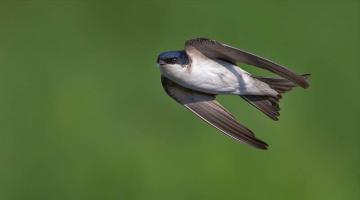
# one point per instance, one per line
(263, 147)
(259, 144)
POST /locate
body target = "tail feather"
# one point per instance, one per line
(281, 85)
(269, 105)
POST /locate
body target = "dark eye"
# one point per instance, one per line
(172, 60)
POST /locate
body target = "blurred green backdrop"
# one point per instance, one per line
(83, 114)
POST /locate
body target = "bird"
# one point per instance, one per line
(206, 68)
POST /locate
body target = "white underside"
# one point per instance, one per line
(216, 77)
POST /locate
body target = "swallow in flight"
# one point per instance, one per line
(206, 68)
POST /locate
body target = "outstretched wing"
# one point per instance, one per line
(218, 50)
(207, 108)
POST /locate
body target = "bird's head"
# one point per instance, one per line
(173, 59)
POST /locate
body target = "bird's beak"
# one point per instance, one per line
(161, 62)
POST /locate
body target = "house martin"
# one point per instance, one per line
(206, 68)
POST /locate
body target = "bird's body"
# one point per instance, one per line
(214, 76)
(206, 68)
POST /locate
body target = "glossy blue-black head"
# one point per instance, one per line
(173, 57)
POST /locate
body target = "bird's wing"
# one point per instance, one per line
(218, 50)
(207, 108)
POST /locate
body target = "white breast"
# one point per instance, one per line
(214, 77)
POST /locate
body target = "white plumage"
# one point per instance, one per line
(216, 77)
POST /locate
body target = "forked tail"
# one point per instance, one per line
(269, 105)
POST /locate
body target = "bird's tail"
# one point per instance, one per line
(269, 105)
(281, 85)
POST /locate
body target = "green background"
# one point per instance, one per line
(83, 114)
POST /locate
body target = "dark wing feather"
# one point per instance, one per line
(218, 50)
(267, 104)
(207, 108)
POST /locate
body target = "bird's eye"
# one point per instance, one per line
(171, 60)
